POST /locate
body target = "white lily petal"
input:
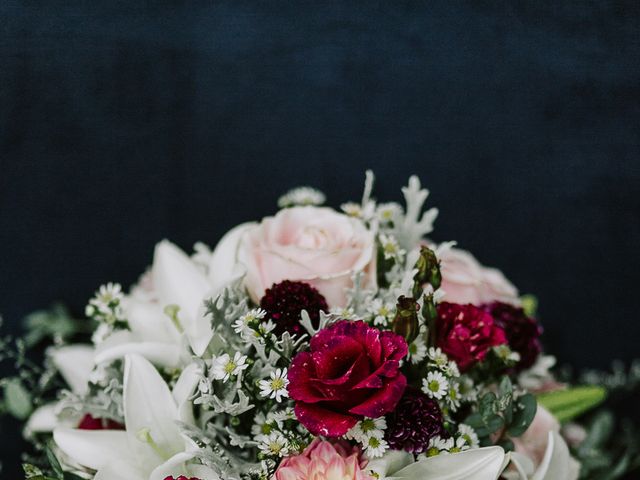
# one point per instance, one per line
(522, 466)
(174, 467)
(178, 281)
(93, 448)
(118, 470)
(183, 389)
(75, 363)
(556, 461)
(391, 461)
(124, 342)
(223, 263)
(149, 321)
(149, 405)
(477, 464)
(43, 419)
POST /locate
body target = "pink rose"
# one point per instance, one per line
(465, 280)
(323, 460)
(318, 246)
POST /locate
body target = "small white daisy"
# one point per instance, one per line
(224, 367)
(390, 247)
(469, 435)
(437, 357)
(453, 397)
(248, 320)
(417, 351)
(274, 444)
(435, 385)
(369, 427)
(375, 447)
(301, 196)
(460, 445)
(438, 445)
(276, 385)
(381, 311)
(352, 209)
(388, 212)
(451, 369)
(344, 313)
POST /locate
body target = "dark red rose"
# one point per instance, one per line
(90, 422)
(523, 332)
(466, 333)
(350, 372)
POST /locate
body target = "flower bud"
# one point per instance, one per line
(406, 322)
(428, 267)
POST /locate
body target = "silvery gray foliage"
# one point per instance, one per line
(415, 224)
(224, 309)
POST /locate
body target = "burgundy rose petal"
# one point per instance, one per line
(320, 421)
(384, 400)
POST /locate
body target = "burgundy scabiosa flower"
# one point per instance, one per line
(414, 422)
(523, 332)
(466, 333)
(351, 371)
(284, 301)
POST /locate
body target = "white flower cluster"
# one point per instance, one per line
(369, 433)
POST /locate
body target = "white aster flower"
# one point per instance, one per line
(274, 444)
(438, 445)
(451, 369)
(388, 212)
(352, 209)
(437, 357)
(417, 351)
(248, 320)
(453, 397)
(344, 313)
(301, 196)
(459, 445)
(266, 327)
(382, 311)
(375, 447)
(367, 428)
(276, 385)
(435, 385)
(224, 367)
(469, 435)
(390, 247)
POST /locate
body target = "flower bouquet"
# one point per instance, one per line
(313, 345)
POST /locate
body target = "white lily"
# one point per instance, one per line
(75, 363)
(176, 281)
(478, 464)
(557, 463)
(152, 446)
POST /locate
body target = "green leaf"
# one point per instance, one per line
(17, 399)
(568, 404)
(53, 461)
(523, 415)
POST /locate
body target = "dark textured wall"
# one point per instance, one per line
(121, 125)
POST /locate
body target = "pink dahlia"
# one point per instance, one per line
(351, 371)
(323, 460)
(466, 333)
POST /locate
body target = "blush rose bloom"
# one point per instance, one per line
(465, 280)
(323, 460)
(315, 245)
(351, 371)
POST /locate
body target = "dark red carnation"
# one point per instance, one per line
(90, 422)
(523, 332)
(351, 371)
(466, 333)
(285, 300)
(414, 422)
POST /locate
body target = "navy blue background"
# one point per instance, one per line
(121, 125)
